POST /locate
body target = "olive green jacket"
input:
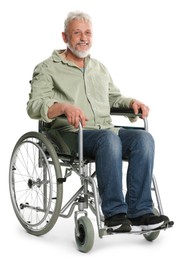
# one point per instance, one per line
(91, 89)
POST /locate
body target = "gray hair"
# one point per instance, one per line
(78, 15)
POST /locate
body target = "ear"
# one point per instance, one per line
(65, 37)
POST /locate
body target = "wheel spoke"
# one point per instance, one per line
(33, 183)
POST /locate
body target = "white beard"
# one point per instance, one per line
(80, 54)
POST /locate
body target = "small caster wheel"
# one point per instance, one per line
(85, 236)
(150, 236)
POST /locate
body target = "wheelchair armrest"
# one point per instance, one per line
(129, 112)
(125, 111)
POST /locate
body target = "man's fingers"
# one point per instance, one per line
(74, 116)
(83, 120)
(135, 108)
(145, 111)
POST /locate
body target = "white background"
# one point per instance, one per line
(141, 43)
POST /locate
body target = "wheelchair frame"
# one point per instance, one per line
(36, 188)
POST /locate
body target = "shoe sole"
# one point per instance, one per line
(147, 227)
(120, 229)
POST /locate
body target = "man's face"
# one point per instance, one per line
(79, 37)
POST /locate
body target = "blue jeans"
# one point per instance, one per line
(108, 149)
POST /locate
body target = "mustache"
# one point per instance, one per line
(83, 42)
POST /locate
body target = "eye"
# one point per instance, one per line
(88, 33)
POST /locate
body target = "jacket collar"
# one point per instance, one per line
(58, 58)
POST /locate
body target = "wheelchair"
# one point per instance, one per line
(40, 165)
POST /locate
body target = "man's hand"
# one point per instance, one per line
(74, 115)
(137, 105)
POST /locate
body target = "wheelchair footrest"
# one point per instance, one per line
(142, 232)
(163, 227)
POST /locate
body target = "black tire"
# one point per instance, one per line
(85, 238)
(150, 236)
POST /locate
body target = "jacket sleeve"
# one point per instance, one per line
(41, 95)
(116, 99)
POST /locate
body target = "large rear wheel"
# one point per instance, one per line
(35, 192)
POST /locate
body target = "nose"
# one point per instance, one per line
(83, 37)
